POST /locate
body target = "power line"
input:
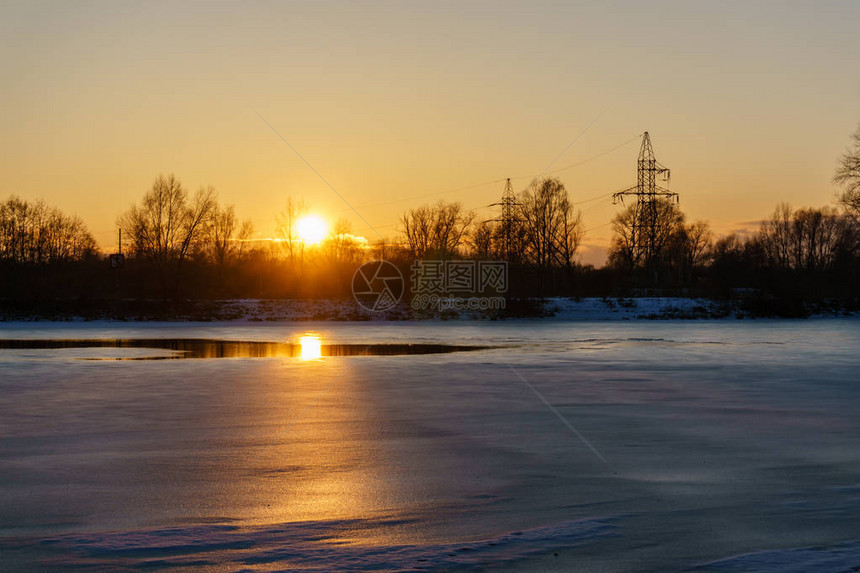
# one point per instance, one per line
(494, 181)
(426, 195)
(472, 186)
(595, 198)
(599, 155)
(569, 145)
(597, 227)
(584, 161)
(324, 180)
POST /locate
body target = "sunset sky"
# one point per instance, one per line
(401, 103)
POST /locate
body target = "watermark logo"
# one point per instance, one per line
(377, 286)
(438, 303)
(460, 277)
(436, 285)
(459, 285)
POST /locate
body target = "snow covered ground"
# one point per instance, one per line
(559, 308)
(290, 310)
(634, 308)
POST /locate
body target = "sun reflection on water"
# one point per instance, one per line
(311, 347)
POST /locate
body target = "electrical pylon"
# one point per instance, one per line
(644, 240)
(508, 220)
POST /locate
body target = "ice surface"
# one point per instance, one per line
(731, 445)
(839, 557)
(308, 546)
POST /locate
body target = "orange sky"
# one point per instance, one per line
(748, 105)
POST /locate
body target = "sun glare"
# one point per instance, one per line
(311, 229)
(311, 347)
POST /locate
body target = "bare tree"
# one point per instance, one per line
(451, 225)
(418, 230)
(806, 239)
(167, 225)
(285, 229)
(848, 177)
(666, 223)
(700, 238)
(37, 233)
(510, 239)
(552, 227)
(482, 239)
(687, 250)
(438, 230)
(226, 236)
(341, 245)
(775, 236)
(383, 249)
(15, 230)
(817, 236)
(571, 234)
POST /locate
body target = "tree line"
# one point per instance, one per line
(35, 233)
(187, 244)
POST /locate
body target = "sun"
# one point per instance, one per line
(311, 229)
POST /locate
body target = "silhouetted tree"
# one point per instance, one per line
(732, 263)
(848, 177)
(342, 246)
(482, 240)
(622, 252)
(39, 234)
(436, 230)
(225, 235)
(166, 226)
(285, 229)
(552, 228)
(686, 251)
(806, 239)
(700, 240)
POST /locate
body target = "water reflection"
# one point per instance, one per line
(309, 347)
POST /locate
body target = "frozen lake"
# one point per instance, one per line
(605, 446)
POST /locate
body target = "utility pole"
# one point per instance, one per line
(117, 261)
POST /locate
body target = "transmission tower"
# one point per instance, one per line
(508, 220)
(644, 237)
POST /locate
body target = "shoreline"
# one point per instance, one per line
(346, 310)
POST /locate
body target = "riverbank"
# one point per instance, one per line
(289, 310)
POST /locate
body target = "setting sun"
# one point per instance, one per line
(311, 229)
